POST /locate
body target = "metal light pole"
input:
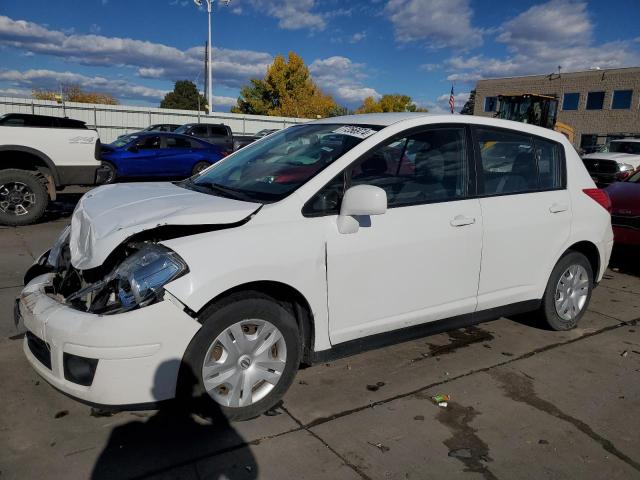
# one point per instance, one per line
(209, 77)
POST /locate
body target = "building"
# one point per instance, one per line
(598, 104)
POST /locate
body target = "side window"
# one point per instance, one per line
(508, 162)
(427, 167)
(549, 158)
(199, 130)
(148, 143)
(218, 131)
(176, 142)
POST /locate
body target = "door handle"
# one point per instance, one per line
(461, 221)
(558, 207)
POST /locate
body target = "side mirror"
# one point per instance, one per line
(361, 200)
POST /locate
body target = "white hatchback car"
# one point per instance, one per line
(314, 242)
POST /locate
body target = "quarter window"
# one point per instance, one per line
(595, 100)
(621, 99)
(571, 101)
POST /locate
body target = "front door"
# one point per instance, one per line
(419, 261)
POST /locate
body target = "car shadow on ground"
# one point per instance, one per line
(625, 259)
(62, 207)
(173, 438)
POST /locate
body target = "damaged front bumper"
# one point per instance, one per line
(120, 359)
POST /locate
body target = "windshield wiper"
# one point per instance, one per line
(228, 192)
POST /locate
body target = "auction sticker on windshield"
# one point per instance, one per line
(354, 131)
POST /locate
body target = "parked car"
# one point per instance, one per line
(217, 134)
(625, 212)
(615, 162)
(265, 132)
(226, 282)
(155, 154)
(161, 127)
(38, 155)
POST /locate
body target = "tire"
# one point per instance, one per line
(200, 166)
(113, 173)
(23, 197)
(571, 280)
(214, 393)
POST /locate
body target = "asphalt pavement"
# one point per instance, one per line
(525, 402)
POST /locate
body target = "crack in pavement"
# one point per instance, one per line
(520, 389)
(314, 423)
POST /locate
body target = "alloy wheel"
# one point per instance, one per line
(16, 198)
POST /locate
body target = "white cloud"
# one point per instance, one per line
(342, 78)
(292, 14)
(153, 60)
(540, 39)
(223, 102)
(357, 37)
(50, 79)
(439, 23)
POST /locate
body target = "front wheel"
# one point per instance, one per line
(244, 357)
(111, 173)
(568, 292)
(23, 197)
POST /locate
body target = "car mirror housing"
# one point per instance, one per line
(360, 201)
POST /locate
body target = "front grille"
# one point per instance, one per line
(625, 221)
(39, 349)
(595, 165)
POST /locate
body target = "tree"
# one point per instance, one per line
(470, 104)
(389, 103)
(185, 96)
(73, 93)
(287, 89)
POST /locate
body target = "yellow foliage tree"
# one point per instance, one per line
(73, 93)
(288, 90)
(389, 103)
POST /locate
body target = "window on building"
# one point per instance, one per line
(588, 141)
(595, 100)
(621, 99)
(571, 101)
(490, 104)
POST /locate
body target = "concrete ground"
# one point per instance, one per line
(525, 403)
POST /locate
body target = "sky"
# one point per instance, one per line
(136, 49)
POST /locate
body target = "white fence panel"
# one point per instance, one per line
(114, 120)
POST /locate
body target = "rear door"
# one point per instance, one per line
(221, 135)
(526, 212)
(177, 157)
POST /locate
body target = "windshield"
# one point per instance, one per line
(269, 170)
(123, 140)
(625, 147)
(635, 178)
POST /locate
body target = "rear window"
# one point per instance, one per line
(625, 147)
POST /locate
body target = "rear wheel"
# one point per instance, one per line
(568, 292)
(244, 357)
(23, 197)
(200, 166)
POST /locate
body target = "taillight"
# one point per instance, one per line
(599, 196)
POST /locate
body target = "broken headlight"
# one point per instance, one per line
(142, 275)
(136, 282)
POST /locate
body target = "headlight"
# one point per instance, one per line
(625, 167)
(143, 275)
(56, 248)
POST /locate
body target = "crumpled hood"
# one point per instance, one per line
(108, 215)
(631, 159)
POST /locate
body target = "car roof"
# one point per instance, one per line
(165, 134)
(381, 119)
(637, 140)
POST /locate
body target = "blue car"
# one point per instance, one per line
(157, 154)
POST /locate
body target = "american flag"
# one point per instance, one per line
(452, 100)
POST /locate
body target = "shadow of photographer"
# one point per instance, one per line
(175, 437)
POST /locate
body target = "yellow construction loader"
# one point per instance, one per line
(540, 110)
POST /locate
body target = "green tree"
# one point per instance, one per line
(470, 104)
(184, 97)
(389, 103)
(287, 89)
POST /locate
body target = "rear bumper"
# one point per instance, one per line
(626, 236)
(138, 353)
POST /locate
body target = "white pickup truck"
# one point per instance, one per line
(39, 154)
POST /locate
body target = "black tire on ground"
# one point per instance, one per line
(200, 166)
(216, 318)
(548, 307)
(13, 183)
(113, 173)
